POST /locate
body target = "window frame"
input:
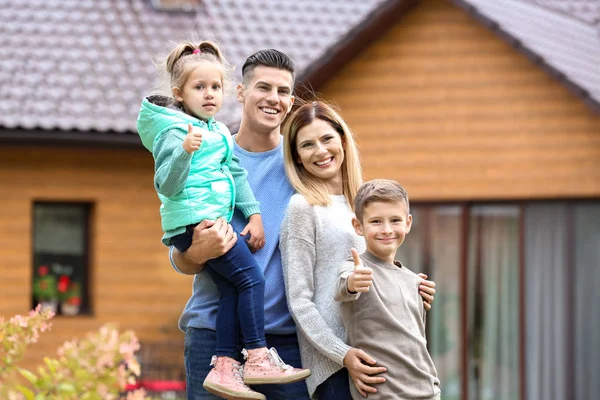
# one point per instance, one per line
(87, 306)
(466, 207)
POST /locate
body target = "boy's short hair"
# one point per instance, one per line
(267, 58)
(379, 190)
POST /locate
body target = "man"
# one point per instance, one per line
(266, 96)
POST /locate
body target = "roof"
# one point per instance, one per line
(79, 64)
(82, 66)
(587, 11)
(313, 33)
(78, 69)
(562, 36)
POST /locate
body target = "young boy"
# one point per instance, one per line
(382, 312)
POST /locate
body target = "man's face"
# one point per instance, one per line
(266, 97)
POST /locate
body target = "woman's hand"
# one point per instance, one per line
(359, 367)
(426, 290)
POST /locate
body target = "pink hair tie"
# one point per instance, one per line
(196, 51)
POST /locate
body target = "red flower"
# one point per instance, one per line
(43, 270)
(76, 301)
(63, 283)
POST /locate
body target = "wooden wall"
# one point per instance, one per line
(443, 105)
(132, 281)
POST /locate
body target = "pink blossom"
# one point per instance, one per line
(19, 321)
(121, 376)
(137, 395)
(105, 360)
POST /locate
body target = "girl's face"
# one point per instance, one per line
(321, 152)
(202, 93)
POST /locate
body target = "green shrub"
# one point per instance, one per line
(98, 367)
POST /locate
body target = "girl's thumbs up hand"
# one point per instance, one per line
(361, 279)
(193, 139)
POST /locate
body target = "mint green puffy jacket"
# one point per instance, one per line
(209, 191)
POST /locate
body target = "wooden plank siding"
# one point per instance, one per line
(132, 282)
(450, 110)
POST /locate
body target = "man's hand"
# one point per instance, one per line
(193, 139)
(361, 279)
(356, 362)
(257, 232)
(426, 290)
(211, 239)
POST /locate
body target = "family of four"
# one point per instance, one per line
(271, 222)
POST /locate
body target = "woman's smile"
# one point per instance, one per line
(321, 151)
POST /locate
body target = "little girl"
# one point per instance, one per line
(197, 177)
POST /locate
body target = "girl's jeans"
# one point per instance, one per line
(241, 284)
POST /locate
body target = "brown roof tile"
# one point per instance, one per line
(86, 64)
(584, 10)
(83, 64)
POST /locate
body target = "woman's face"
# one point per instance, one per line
(321, 151)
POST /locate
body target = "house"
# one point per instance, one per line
(79, 204)
(486, 111)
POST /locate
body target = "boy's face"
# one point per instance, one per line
(266, 97)
(384, 226)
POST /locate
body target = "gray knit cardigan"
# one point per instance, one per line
(314, 241)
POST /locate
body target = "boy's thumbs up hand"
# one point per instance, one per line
(193, 139)
(361, 279)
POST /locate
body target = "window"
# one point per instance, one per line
(493, 302)
(562, 258)
(516, 312)
(60, 257)
(433, 246)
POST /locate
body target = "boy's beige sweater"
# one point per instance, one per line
(388, 322)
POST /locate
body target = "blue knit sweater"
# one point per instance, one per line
(268, 181)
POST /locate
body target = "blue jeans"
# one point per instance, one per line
(200, 346)
(241, 284)
(336, 387)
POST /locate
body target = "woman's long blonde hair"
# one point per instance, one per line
(312, 188)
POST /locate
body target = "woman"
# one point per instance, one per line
(321, 162)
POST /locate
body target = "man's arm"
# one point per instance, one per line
(211, 239)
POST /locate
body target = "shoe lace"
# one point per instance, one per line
(274, 356)
(238, 370)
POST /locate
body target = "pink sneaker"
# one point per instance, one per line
(225, 380)
(265, 366)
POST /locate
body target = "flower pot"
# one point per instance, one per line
(49, 305)
(69, 309)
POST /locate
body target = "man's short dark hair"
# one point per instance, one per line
(267, 58)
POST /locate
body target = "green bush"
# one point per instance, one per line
(98, 367)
